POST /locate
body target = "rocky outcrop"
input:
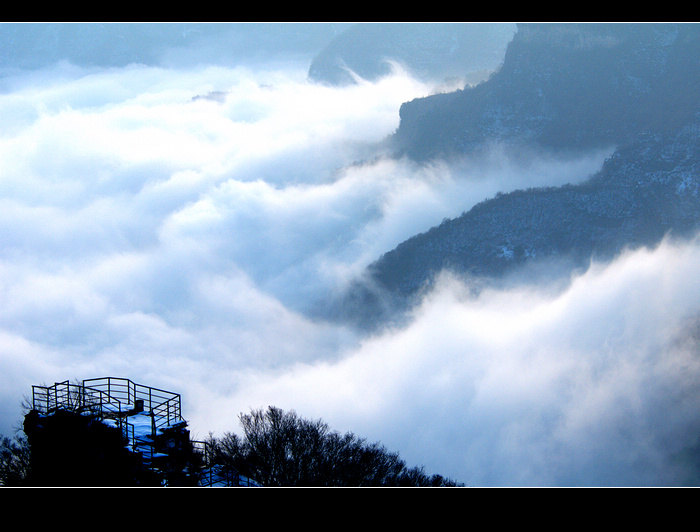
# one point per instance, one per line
(562, 88)
(565, 86)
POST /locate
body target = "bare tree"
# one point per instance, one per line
(282, 449)
(14, 460)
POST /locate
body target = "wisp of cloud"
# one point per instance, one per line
(176, 226)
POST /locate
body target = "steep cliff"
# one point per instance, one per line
(564, 88)
(645, 191)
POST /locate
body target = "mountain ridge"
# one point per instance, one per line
(563, 86)
(560, 90)
(438, 52)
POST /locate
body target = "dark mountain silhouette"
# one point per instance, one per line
(430, 51)
(563, 88)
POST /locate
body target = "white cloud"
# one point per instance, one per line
(598, 384)
(178, 242)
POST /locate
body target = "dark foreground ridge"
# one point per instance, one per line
(113, 432)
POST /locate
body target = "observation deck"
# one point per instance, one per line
(150, 420)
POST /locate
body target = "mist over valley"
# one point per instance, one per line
(474, 243)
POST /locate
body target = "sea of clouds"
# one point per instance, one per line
(179, 225)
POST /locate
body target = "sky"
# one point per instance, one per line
(184, 242)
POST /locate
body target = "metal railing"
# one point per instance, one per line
(76, 398)
(117, 399)
(164, 406)
(110, 397)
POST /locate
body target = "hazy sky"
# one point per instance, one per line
(180, 242)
